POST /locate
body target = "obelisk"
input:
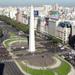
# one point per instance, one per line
(32, 32)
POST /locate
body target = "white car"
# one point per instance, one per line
(62, 48)
(60, 45)
(22, 47)
(73, 52)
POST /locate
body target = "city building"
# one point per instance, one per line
(19, 16)
(47, 19)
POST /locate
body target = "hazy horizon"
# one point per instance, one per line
(70, 3)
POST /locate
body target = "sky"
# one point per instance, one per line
(36, 2)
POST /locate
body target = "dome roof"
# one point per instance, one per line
(55, 13)
(64, 24)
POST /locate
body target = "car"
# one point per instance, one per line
(60, 45)
(22, 47)
(73, 52)
(70, 57)
(62, 48)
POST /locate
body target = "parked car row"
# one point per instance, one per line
(70, 57)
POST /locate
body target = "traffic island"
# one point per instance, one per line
(61, 68)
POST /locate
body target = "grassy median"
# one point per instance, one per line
(63, 69)
(34, 71)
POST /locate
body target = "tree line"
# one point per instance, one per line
(1, 33)
(14, 23)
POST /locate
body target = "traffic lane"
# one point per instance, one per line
(2, 21)
(7, 27)
(11, 69)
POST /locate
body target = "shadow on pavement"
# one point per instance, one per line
(1, 68)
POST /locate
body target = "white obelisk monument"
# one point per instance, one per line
(32, 32)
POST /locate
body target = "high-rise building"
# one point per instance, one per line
(19, 16)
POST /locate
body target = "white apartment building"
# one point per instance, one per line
(61, 29)
(9, 12)
(52, 27)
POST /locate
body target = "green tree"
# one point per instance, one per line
(14, 23)
(1, 33)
